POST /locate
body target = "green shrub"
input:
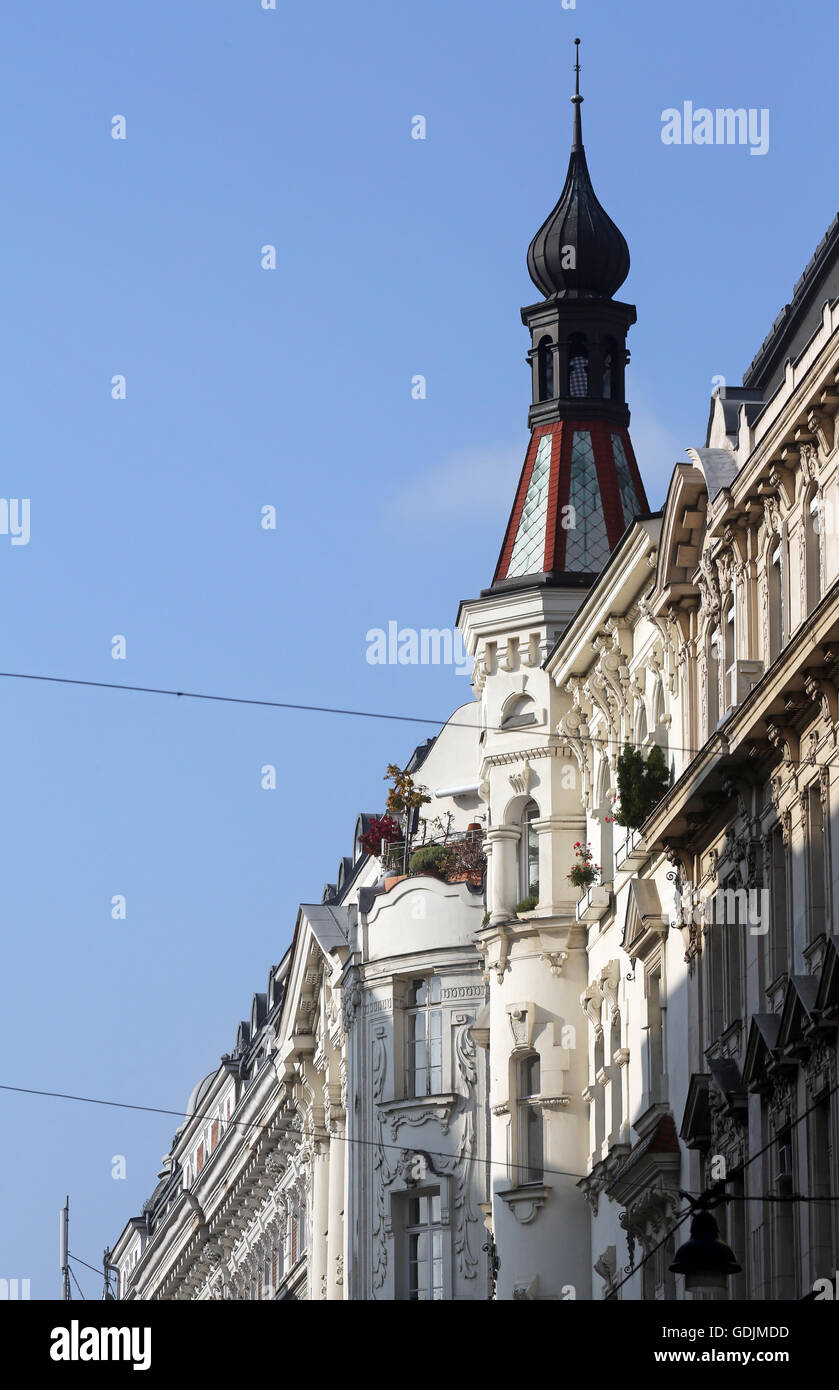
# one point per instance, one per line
(431, 859)
(528, 904)
(641, 784)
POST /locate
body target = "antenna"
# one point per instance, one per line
(64, 1258)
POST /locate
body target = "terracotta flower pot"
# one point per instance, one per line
(392, 880)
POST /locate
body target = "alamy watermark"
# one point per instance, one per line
(733, 907)
(14, 519)
(410, 646)
(725, 125)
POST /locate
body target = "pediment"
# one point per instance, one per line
(645, 924)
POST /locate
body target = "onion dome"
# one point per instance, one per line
(578, 252)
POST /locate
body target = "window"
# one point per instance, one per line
(577, 365)
(424, 1041)
(529, 852)
(777, 633)
(784, 1224)
(824, 1248)
(778, 907)
(713, 681)
(655, 1038)
(292, 1235)
(641, 727)
(736, 912)
(530, 1121)
(729, 650)
(424, 1232)
(605, 817)
(610, 360)
(546, 369)
(815, 862)
(812, 552)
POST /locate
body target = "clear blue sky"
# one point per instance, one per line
(247, 387)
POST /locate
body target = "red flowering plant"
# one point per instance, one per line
(381, 830)
(584, 872)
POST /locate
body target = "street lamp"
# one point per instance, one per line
(704, 1259)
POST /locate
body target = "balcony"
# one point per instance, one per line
(632, 854)
(594, 905)
(740, 678)
(457, 857)
(420, 913)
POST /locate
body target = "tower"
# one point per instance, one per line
(578, 492)
(580, 487)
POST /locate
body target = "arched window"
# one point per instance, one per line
(577, 365)
(531, 1160)
(546, 369)
(641, 729)
(529, 852)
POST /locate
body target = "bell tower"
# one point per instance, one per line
(578, 492)
(580, 486)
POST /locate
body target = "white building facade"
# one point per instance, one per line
(469, 1085)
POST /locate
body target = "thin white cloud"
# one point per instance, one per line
(476, 481)
(481, 481)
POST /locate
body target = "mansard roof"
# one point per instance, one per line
(330, 924)
(800, 318)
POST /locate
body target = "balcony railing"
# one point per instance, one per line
(467, 861)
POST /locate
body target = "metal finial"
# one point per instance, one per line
(576, 102)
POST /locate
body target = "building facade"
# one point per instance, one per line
(502, 1083)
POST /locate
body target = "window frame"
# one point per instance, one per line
(431, 1011)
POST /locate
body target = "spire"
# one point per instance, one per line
(580, 487)
(578, 251)
(577, 102)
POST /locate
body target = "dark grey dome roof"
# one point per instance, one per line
(601, 255)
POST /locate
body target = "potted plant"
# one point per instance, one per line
(528, 904)
(436, 860)
(403, 803)
(382, 831)
(468, 858)
(584, 873)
